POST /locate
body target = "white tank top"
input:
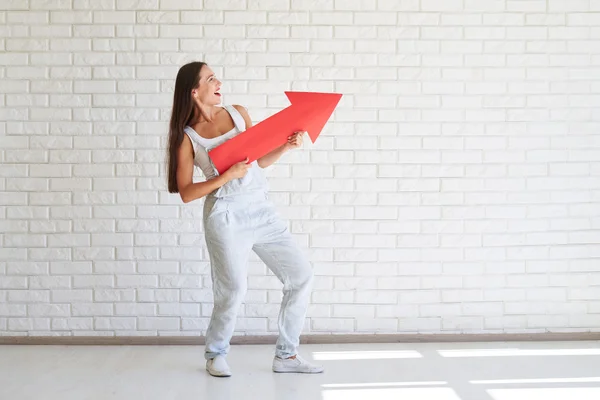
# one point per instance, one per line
(254, 180)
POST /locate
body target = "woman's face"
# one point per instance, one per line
(208, 90)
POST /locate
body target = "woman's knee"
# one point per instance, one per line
(303, 277)
(230, 294)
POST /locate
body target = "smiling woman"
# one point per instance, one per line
(198, 124)
(238, 217)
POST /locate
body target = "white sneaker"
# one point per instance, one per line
(297, 364)
(218, 367)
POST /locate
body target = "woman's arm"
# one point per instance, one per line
(272, 157)
(185, 170)
(294, 141)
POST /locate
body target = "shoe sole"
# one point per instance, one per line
(219, 376)
(290, 371)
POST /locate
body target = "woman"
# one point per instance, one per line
(238, 217)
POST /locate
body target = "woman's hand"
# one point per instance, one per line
(238, 170)
(295, 140)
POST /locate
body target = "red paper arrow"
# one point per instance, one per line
(309, 112)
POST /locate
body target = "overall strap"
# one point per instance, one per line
(238, 119)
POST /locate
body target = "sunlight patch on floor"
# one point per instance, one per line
(517, 352)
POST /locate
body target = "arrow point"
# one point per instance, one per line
(329, 100)
(319, 105)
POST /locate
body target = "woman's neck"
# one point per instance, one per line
(204, 114)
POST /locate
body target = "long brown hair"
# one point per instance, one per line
(187, 79)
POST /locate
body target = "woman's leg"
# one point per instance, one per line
(278, 250)
(229, 248)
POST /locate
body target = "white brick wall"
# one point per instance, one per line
(456, 188)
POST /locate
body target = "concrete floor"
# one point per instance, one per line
(431, 371)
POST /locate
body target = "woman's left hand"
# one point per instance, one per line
(295, 140)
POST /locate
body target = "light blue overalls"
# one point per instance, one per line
(239, 218)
